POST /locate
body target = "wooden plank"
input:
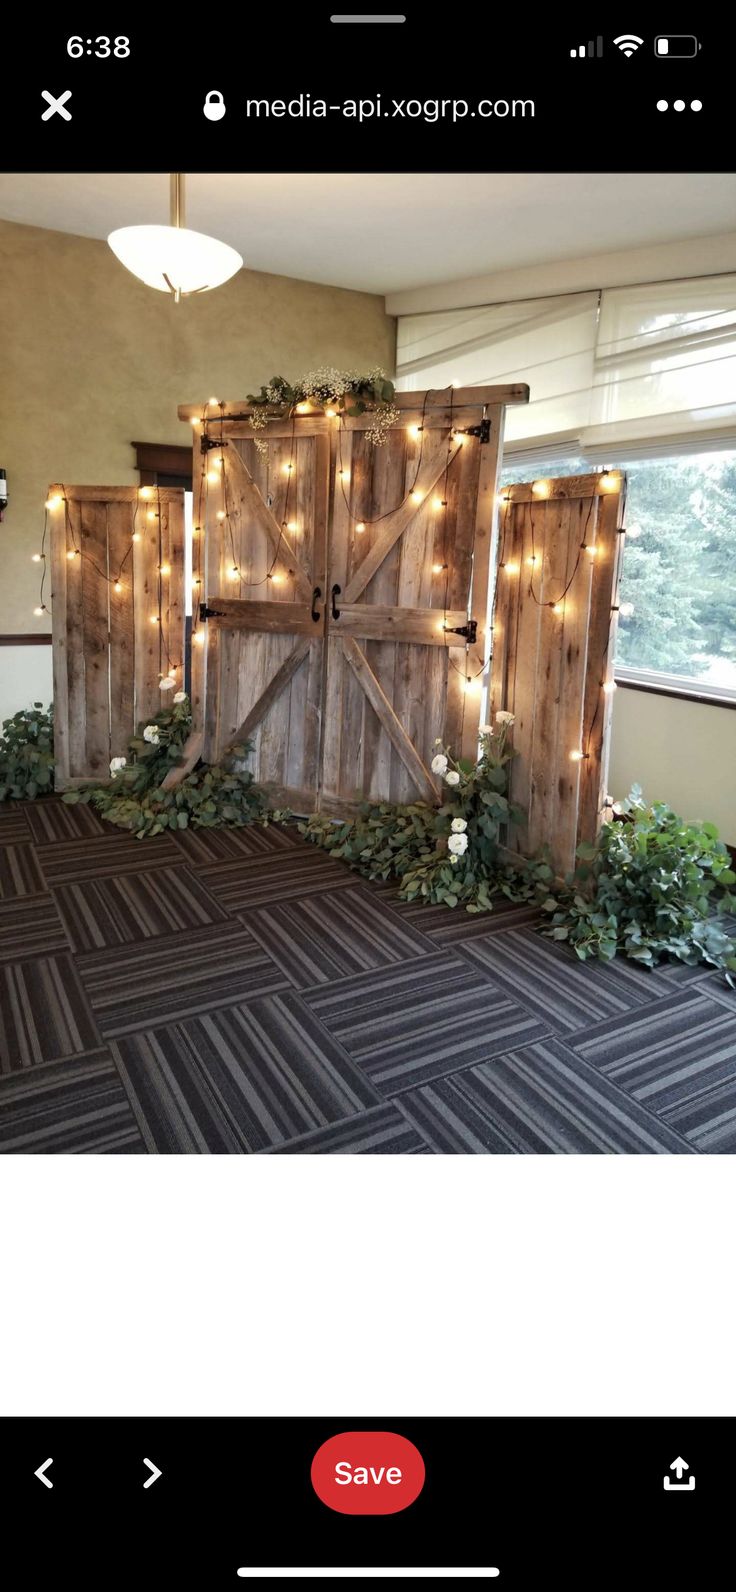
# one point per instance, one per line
(276, 685)
(394, 728)
(474, 397)
(77, 705)
(432, 627)
(117, 494)
(485, 486)
(569, 486)
(63, 639)
(598, 704)
(395, 524)
(190, 756)
(279, 617)
(122, 641)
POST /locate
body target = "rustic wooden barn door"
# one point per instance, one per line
(408, 568)
(264, 606)
(118, 617)
(346, 593)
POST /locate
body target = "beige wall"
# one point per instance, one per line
(683, 753)
(92, 359)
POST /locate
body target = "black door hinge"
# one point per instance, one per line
(482, 430)
(210, 613)
(469, 631)
(206, 442)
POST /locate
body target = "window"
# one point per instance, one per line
(679, 565)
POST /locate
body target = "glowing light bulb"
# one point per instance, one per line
(470, 685)
(212, 477)
(278, 580)
(440, 503)
(136, 536)
(292, 526)
(146, 492)
(53, 501)
(577, 757)
(360, 527)
(195, 421)
(164, 569)
(220, 514)
(541, 488)
(438, 568)
(36, 559)
(151, 515)
(331, 414)
(288, 469)
(344, 474)
(198, 637)
(416, 497)
(154, 619)
(213, 403)
(634, 531)
(71, 553)
(626, 610)
(458, 438)
(532, 559)
(117, 587)
(414, 431)
(234, 573)
(609, 687)
(609, 481)
(38, 611)
(558, 608)
(591, 550)
(456, 384)
(302, 409)
(512, 569)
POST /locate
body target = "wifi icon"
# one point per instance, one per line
(628, 43)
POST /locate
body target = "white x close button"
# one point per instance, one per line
(56, 105)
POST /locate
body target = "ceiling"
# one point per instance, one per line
(386, 232)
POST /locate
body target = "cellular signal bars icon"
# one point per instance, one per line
(593, 47)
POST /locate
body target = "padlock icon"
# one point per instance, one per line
(214, 106)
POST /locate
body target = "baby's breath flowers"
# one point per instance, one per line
(342, 392)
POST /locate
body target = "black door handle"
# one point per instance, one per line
(315, 611)
(335, 593)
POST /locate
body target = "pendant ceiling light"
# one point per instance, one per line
(172, 258)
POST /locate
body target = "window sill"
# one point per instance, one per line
(685, 693)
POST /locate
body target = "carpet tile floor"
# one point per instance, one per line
(240, 992)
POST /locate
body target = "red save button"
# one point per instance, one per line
(367, 1473)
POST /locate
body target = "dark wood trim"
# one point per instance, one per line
(163, 458)
(681, 696)
(27, 638)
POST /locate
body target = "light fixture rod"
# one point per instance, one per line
(178, 209)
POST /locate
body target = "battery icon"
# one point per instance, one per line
(676, 46)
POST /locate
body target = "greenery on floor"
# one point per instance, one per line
(27, 754)
(450, 854)
(135, 798)
(651, 887)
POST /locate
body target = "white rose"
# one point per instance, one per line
(438, 741)
(457, 844)
(486, 729)
(439, 764)
(116, 763)
(151, 734)
(505, 718)
(458, 825)
(181, 696)
(166, 684)
(452, 778)
(454, 859)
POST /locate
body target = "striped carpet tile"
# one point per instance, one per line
(71, 1107)
(204, 847)
(43, 1013)
(670, 1053)
(20, 874)
(118, 911)
(73, 861)
(563, 992)
(30, 926)
(541, 1100)
(51, 819)
(707, 1119)
(334, 933)
(14, 830)
(407, 1025)
(243, 886)
(168, 979)
(238, 1080)
(379, 1131)
(453, 925)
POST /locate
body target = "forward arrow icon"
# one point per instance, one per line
(41, 1472)
(155, 1473)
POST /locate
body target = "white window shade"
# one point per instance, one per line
(548, 343)
(624, 366)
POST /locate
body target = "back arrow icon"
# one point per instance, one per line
(40, 1472)
(155, 1473)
